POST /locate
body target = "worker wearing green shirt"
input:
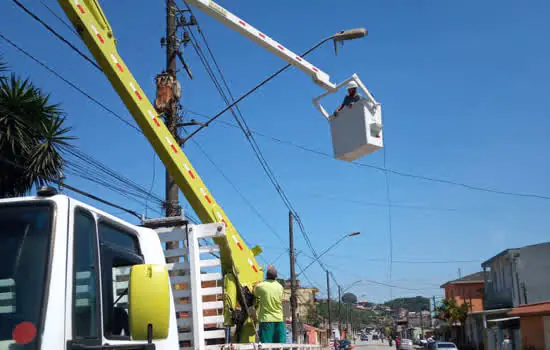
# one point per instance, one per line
(269, 298)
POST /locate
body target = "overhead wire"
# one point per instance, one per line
(152, 181)
(86, 167)
(77, 190)
(393, 171)
(68, 82)
(239, 118)
(71, 28)
(390, 221)
(382, 168)
(59, 36)
(397, 172)
(239, 192)
(49, 28)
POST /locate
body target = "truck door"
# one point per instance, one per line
(103, 251)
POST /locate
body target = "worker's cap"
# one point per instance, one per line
(271, 272)
(352, 85)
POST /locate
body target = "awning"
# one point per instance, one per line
(490, 312)
(531, 309)
(504, 319)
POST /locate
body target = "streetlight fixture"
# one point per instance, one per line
(340, 37)
(328, 249)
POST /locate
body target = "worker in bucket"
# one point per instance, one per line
(269, 298)
(352, 97)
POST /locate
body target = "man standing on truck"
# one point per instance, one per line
(269, 298)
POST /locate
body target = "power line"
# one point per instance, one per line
(59, 18)
(79, 191)
(85, 94)
(239, 118)
(86, 167)
(152, 180)
(59, 36)
(384, 169)
(388, 198)
(396, 172)
(268, 170)
(395, 286)
(385, 205)
(239, 193)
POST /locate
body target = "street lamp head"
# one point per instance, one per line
(350, 34)
(354, 234)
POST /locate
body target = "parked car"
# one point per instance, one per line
(406, 344)
(441, 345)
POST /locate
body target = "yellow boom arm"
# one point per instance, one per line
(90, 21)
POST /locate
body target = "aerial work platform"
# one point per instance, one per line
(356, 131)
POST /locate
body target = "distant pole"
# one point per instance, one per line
(350, 320)
(293, 299)
(422, 323)
(340, 311)
(459, 272)
(328, 304)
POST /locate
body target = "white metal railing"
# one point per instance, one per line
(188, 278)
(257, 346)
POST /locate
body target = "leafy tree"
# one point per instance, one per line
(359, 317)
(349, 298)
(415, 304)
(32, 136)
(453, 313)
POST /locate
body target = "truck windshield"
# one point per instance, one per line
(25, 235)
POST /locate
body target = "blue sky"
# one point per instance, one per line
(464, 87)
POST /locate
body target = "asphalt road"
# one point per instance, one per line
(373, 345)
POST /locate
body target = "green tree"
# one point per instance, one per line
(32, 136)
(415, 304)
(455, 315)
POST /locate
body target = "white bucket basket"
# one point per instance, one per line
(356, 131)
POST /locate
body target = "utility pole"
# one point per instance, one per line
(422, 323)
(169, 89)
(293, 303)
(328, 304)
(340, 311)
(171, 110)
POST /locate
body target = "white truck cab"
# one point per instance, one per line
(62, 284)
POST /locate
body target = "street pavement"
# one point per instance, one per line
(373, 345)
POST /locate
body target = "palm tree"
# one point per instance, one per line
(32, 136)
(455, 315)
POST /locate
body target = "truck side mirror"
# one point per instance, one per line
(149, 302)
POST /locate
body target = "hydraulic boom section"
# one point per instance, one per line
(92, 25)
(359, 130)
(229, 19)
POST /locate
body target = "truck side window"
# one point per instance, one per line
(85, 286)
(119, 251)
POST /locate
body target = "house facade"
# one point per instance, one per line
(513, 277)
(468, 289)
